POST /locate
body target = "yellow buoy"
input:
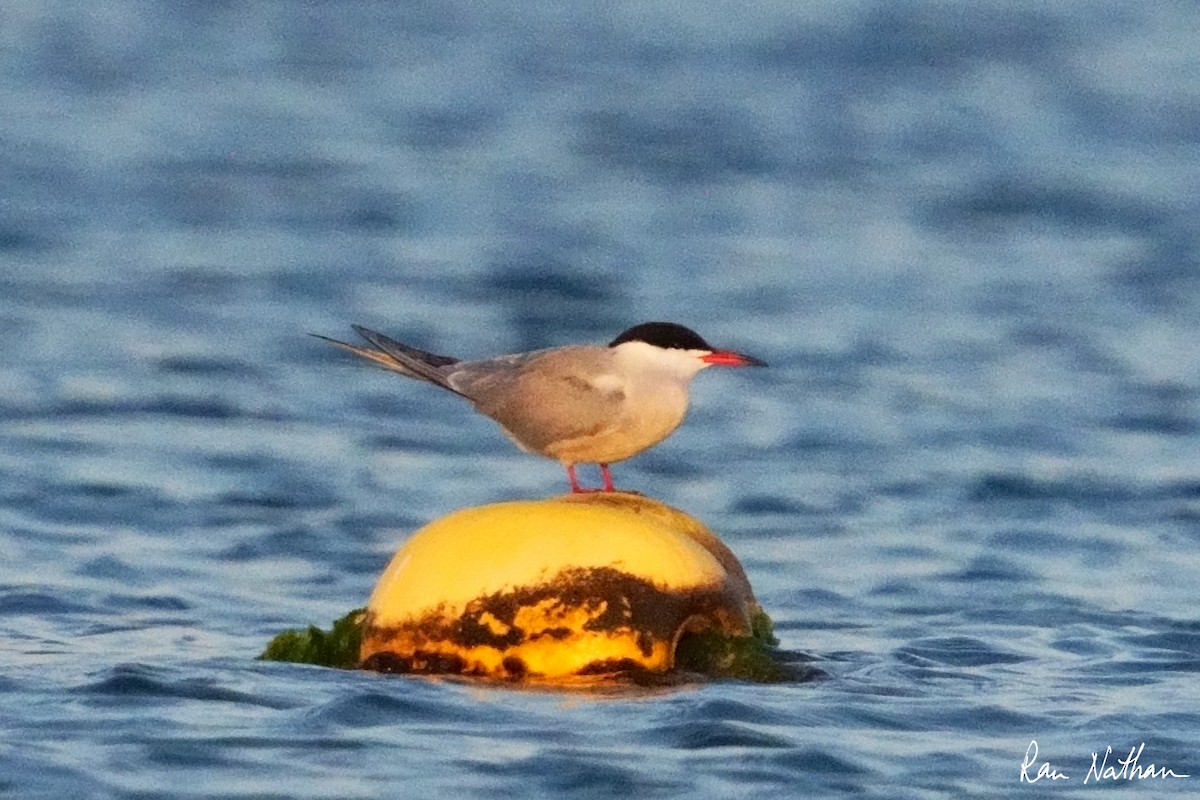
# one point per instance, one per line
(557, 589)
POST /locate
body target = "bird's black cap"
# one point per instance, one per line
(663, 334)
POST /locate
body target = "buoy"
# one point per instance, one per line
(570, 588)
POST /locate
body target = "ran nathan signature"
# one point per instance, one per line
(1128, 768)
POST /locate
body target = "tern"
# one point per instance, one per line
(580, 404)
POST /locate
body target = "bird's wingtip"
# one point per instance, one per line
(364, 331)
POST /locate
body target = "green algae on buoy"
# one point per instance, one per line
(337, 647)
(576, 590)
(559, 590)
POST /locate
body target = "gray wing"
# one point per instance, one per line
(543, 398)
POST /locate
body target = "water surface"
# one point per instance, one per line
(965, 238)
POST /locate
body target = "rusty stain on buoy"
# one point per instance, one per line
(560, 589)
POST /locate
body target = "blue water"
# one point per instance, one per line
(965, 236)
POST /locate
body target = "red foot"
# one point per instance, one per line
(577, 489)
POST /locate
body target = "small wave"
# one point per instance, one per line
(144, 683)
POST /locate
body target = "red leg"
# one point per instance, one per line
(575, 487)
(608, 484)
